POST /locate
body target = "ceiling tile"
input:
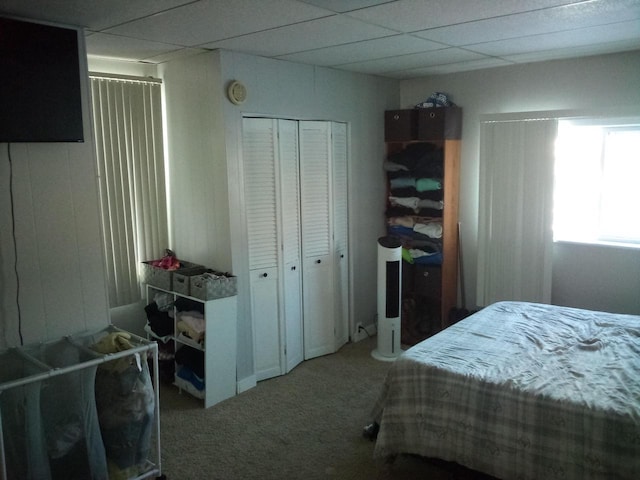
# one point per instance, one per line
(548, 20)
(364, 50)
(572, 52)
(204, 22)
(94, 15)
(487, 62)
(416, 60)
(579, 37)
(105, 45)
(415, 15)
(394, 38)
(342, 6)
(168, 56)
(310, 35)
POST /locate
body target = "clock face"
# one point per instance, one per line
(237, 92)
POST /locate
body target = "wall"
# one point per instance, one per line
(60, 264)
(597, 277)
(204, 150)
(598, 84)
(121, 67)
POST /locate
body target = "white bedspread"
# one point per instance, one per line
(521, 391)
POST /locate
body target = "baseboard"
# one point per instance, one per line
(246, 383)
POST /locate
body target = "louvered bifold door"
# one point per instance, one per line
(259, 150)
(291, 248)
(340, 230)
(317, 248)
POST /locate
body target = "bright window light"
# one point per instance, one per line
(597, 183)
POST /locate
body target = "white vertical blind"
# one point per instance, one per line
(127, 118)
(516, 204)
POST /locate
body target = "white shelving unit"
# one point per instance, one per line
(219, 347)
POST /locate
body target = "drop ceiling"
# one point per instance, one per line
(397, 39)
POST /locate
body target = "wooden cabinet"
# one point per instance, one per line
(214, 351)
(422, 166)
(423, 124)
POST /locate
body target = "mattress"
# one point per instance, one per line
(520, 391)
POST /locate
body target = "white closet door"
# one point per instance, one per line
(264, 311)
(259, 149)
(340, 230)
(291, 248)
(317, 282)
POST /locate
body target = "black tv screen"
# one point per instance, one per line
(40, 99)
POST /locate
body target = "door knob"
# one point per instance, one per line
(265, 275)
(318, 261)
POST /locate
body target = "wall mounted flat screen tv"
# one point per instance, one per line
(40, 99)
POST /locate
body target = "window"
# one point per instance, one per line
(597, 174)
(127, 115)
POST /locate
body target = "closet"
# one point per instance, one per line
(295, 178)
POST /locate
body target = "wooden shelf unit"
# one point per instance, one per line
(432, 287)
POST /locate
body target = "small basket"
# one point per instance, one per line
(211, 285)
(164, 279)
(181, 279)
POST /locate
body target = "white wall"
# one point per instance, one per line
(205, 138)
(607, 83)
(121, 67)
(199, 205)
(60, 264)
(597, 277)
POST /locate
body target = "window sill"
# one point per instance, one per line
(626, 246)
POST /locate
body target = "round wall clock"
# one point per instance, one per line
(237, 92)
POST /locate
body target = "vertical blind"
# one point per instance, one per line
(516, 204)
(127, 116)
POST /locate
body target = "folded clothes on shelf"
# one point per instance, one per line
(191, 358)
(160, 323)
(192, 324)
(187, 374)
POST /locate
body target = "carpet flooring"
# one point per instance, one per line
(304, 425)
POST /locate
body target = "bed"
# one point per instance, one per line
(520, 391)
